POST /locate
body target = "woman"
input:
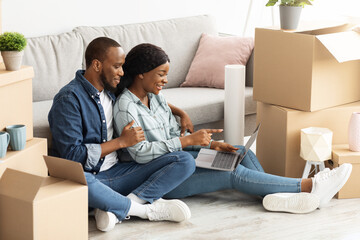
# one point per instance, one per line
(146, 68)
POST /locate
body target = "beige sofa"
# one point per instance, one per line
(56, 58)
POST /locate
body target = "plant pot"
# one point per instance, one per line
(354, 132)
(289, 17)
(12, 59)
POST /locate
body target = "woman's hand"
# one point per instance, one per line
(131, 136)
(186, 124)
(201, 137)
(223, 147)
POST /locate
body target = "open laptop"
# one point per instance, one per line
(224, 161)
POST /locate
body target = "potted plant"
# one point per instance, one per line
(290, 11)
(12, 45)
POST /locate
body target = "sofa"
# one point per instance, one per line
(55, 59)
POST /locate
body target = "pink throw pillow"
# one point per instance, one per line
(214, 52)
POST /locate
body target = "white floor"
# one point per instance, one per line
(233, 215)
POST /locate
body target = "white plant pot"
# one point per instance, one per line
(12, 59)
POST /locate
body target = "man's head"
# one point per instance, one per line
(104, 59)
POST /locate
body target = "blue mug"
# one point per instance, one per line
(17, 136)
(4, 143)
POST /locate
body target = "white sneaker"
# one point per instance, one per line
(105, 221)
(327, 183)
(291, 202)
(168, 210)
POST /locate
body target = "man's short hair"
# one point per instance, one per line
(98, 48)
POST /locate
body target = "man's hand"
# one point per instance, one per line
(131, 135)
(186, 124)
(222, 146)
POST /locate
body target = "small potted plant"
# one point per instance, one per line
(290, 11)
(12, 45)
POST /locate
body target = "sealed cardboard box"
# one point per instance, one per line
(278, 141)
(29, 159)
(308, 70)
(340, 155)
(16, 98)
(35, 207)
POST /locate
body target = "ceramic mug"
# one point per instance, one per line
(17, 136)
(4, 143)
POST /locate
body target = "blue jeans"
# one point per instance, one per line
(107, 189)
(249, 177)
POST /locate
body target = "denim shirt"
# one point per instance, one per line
(77, 123)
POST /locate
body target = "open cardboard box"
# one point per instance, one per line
(308, 70)
(54, 207)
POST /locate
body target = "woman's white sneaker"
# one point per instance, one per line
(105, 221)
(168, 210)
(291, 202)
(326, 184)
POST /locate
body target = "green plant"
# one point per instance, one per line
(292, 3)
(12, 41)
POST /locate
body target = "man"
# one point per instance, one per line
(81, 122)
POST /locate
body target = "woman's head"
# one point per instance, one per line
(147, 65)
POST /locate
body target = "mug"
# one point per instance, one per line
(4, 143)
(17, 136)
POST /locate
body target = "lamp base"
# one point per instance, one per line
(308, 168)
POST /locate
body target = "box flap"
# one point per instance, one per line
(344, 46)
(342, 154)
(65, 169)
(20, 185)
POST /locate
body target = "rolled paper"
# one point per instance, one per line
(234, 104)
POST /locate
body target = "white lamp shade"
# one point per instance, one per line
(316, 144)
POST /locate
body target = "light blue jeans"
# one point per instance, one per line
(249, 177)
(107, 189)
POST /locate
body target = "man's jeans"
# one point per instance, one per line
(107, 189)
(249, 177)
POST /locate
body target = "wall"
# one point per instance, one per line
(240, 17)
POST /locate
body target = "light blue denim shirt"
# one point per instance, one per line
(77, 123)
(161, 129)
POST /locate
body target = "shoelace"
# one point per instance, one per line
(159, 214)
(326, 175)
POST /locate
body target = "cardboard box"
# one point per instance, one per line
(28, 160)
(308, 70)
(16, 98)
(54, 207)
(278, 141)
(340, 155)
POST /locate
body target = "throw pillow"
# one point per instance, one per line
(214, 52)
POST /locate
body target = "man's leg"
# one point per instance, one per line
(150, 181)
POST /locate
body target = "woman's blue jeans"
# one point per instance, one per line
(107, 189)
(249, 177)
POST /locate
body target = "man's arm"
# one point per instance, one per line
(185, 120)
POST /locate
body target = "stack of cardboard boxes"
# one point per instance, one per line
(33, 205)
(307, 78)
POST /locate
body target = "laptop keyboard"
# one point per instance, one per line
(223, 160)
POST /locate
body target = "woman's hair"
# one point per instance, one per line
(141, 59)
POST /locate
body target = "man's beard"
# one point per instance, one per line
(107, 86)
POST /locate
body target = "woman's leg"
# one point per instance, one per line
(243, 179)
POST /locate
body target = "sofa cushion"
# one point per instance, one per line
(55, 60)
(40, 115)
(205, 104)
(214, 52)
(178, 37)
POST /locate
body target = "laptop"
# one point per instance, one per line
(224, 161)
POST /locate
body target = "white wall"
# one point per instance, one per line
(43, 17)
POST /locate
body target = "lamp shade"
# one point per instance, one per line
(316, 144)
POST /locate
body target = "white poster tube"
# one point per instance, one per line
(234, 104)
